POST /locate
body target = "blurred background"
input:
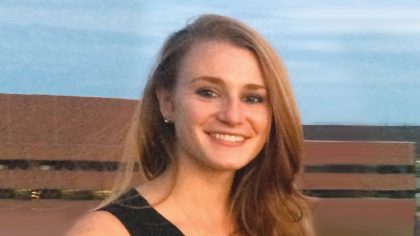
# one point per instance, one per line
(71, 70)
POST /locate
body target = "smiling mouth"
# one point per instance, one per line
(228, 137)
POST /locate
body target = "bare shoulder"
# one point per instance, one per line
(98, 223)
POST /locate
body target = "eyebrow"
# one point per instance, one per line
(219, 81)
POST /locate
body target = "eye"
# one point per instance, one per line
(253, 99)
(206, 92)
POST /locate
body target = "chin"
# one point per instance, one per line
(228, 166)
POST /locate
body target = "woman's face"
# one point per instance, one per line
(219, 107)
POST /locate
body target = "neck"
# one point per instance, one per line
(205, 190)
(193, 195)
(202, 196)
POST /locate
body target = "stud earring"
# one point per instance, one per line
(166, 121)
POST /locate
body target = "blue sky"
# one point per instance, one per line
(350, 62)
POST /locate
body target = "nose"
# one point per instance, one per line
(231, 112)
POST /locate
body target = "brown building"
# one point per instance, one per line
(58, 154)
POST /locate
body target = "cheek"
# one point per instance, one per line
(262, 120)
(268, 118)
(189, 114)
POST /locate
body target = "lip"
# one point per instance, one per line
(228, 133)
(239, 140)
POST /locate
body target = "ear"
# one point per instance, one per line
(165, 103)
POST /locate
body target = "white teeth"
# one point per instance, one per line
(229, 138)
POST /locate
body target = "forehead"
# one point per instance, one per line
(222, 60)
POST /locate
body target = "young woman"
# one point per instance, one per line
(218, 138)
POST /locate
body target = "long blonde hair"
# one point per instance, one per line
(264, 199)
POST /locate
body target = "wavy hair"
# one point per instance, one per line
(263, 197)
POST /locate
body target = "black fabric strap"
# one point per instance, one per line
(139, 218)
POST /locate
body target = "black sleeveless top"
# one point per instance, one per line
(139, 218)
